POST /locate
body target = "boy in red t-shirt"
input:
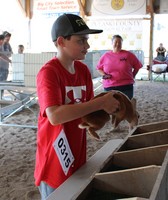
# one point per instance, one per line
(64, 88)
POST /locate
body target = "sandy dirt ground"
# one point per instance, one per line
(18, 145)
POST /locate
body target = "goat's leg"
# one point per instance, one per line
(93, 134)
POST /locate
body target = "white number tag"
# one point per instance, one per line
(63, 152)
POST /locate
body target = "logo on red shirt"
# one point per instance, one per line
(75, 94)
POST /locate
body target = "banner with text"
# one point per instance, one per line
(54, 8)
(131, 31)
(118, 7)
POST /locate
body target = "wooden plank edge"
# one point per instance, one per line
(75, 184)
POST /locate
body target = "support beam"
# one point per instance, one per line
(151, 10)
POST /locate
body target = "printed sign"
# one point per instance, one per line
(63, 152)
(53, 8)
(118, 7)
(111, 27)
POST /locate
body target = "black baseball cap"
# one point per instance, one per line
(70, 24)
(6, 33)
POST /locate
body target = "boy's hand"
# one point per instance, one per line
(111, 104)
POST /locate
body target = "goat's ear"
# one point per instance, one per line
(133, 101)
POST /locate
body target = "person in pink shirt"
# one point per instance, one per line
(118, 68)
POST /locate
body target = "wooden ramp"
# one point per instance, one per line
(134, 169)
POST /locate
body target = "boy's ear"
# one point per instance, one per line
(60, 41)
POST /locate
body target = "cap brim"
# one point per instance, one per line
(88, 31)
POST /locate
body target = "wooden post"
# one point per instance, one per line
(151, 39)
(81, 7)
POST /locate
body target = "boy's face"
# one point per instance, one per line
(76, 47)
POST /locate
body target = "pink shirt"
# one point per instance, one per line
(120, 65)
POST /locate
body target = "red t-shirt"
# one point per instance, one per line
(56, 86)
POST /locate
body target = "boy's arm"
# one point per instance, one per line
(64, 113)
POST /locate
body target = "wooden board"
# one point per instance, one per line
(83, 177)
(136, 170)
(140, 157)
(136, 182)
(160, 191)
(151, 127)
(147, 139)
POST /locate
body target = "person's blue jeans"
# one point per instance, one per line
(3, 74)
(45, 190)
(126, 89)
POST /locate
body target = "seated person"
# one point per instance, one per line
(161, 53)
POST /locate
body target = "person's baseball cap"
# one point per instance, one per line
(70, 24)
(6, 33)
